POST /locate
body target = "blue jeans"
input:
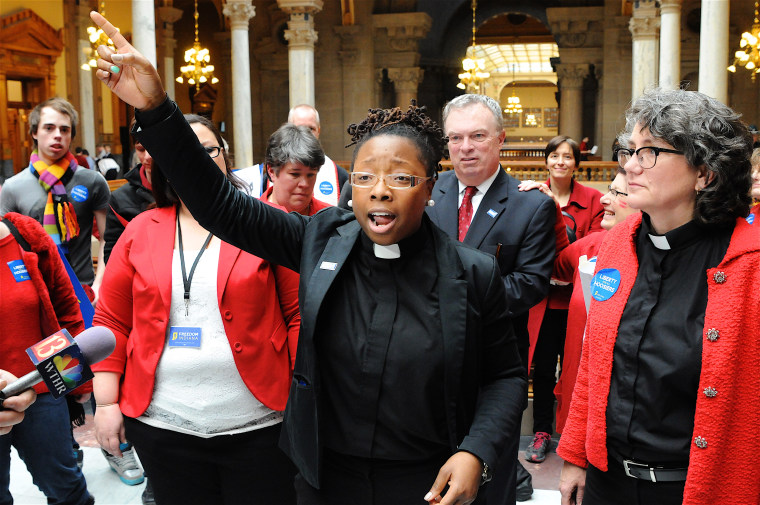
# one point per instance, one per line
(43, 441)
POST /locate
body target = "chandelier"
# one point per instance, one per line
(513, 102)
(198, 70)
(97, 37)
(748, 56)
(474, 74)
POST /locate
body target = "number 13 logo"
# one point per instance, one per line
(49, 346)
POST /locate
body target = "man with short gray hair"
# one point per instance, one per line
(480, 205)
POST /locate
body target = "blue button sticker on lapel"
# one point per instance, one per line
(79, 193)
(328, 265)
(18, 269)
(326, 188)
(492, 213)
(605, 284)
(751, 218)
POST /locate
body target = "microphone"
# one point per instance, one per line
(62, 363)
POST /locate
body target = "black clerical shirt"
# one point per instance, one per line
(383, 364)
(658, 352)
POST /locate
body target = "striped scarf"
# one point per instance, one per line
(59, 219)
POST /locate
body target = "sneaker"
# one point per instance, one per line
(127, 467)
(79, 455)
(147, 495)
(536, 451)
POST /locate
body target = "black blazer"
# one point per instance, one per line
(484, 384)
(521, 221)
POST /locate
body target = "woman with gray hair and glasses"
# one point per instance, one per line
(292, 162)
(670, 373)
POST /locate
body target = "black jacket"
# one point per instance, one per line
(127, 201)
(485, 384)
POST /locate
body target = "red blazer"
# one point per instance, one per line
(59, 307)
(725, 424)
(566, 270)
(585, 207)
(258, 303)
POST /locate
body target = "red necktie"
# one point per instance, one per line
(465, 212)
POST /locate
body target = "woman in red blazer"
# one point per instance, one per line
(206, 339)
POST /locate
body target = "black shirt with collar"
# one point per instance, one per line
(658, 352)
(383, 365)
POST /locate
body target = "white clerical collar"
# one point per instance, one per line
(387, 252)
(659, 241)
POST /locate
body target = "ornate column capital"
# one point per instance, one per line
(644, 28)
(572, 75)
(300, 6)
(240, 13)
(670, 6)
(406, 78)
(404, 30)
(169, 14)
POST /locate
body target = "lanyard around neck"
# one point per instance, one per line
(187, 281)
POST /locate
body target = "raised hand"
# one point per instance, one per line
(127, 72)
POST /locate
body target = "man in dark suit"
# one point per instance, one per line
(479, 204)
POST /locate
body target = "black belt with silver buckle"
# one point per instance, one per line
(653, 473)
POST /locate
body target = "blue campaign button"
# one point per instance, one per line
(326, 188)
(185, 336)
(751, 218)
(18, 269)
(605, 284)
(79, 193)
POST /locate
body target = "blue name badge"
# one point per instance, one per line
(185, 336)
(18, 269)
(605, 284)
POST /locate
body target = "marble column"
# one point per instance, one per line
(405, 82)
(86, 129)
(670, 44)
(713, 49)
(240, 13)
(144, 29)
(644, 26)
(570, 82)
(168, 16)
(301, 38)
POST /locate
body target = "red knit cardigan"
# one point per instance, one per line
(725, 424)
(59, 307)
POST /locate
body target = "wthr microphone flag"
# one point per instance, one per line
(60, 362)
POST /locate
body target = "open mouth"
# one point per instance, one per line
(381, 222)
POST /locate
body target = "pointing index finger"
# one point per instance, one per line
(118, 39)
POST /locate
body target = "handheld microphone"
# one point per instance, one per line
(53, 355)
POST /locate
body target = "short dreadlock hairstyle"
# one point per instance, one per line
(413, 124)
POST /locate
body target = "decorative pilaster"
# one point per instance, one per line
(240, 13)
(570, 82)
(399, 36)
(670, 44)
(86, 129)
(713, 49)
(405, 82)
(301, 38)
(168, 16)
(644, 27)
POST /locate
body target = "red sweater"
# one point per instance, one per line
(58, 305)
(726, 422)
(566, 270)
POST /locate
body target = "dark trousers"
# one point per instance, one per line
(348, 480)
(247, 468)
(550, 344)
(614, 487)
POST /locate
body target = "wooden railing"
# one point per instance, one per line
(600, 171)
